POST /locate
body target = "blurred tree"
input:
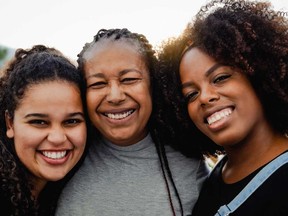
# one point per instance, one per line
(3, 53)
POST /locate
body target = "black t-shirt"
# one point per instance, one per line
(270, 199)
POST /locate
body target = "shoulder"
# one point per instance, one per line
(279, 166)
(186, 165)
(177, 156)
(281, 175)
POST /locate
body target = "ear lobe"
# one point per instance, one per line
(9, 125)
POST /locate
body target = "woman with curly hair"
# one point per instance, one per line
(129, 169)
(231, 65)
(43, 129)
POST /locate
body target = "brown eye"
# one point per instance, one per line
(129, 80)
(73, 122)
(221, 78)
(38, 123)
(190, 97)
(97, 85)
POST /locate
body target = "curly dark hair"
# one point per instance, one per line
(248, 35)
(146, 51)
(32, 66)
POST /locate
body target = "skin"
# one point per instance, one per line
(242, 129)
(118, 91)
(48, 120)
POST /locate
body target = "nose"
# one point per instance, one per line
(208, 96)
(57, 135)
(115, 94)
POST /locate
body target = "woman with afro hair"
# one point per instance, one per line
(229, 72)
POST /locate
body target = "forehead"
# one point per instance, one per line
(103, 45)
(196, 61)
(197, 58)
(113, 56)
(56, 90)
(49, 86)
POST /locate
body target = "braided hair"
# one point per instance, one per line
(147, 53)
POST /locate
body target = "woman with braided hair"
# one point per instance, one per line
(43, 129)
(131, 168)
(231, 68)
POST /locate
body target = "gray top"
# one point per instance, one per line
(116, 181)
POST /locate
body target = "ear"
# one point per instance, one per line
(9, 125)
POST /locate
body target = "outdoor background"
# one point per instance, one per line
(68, 24)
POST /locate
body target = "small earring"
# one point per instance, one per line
(9, 124)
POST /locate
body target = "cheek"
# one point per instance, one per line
(24, 145)
(78, 136)
(92, 100)
(195, 116)
(192, 111)
(145, 93)
(251, 109)
(145, 98)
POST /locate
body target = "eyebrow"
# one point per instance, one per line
(121, 73)
(76, 114)
(212, 69)
(100, 75)
(40, 115)
(207, 73)
(36, 115)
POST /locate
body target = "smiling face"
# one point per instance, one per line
(221, 101)
(49, 130)
(118, 91)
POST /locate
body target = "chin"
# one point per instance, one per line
(56, 176)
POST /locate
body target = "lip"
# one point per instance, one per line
(55, 161)
(118, 114)
(214, 110)
(220, 123)
(117, 110)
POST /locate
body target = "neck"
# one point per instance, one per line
(252, 153)
(38, 186)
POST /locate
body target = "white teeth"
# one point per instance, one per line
(219, 115)
(119, 115)
(54, 155)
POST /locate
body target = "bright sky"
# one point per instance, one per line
(68, 24)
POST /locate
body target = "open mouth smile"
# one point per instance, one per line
(119, 116)
(219, 115)
(54, 154)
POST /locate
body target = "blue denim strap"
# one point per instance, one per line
(261, 177)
